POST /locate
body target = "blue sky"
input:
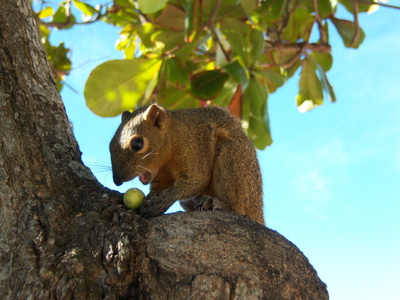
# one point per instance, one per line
(332, 176)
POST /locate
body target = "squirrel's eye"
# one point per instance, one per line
(137, 144)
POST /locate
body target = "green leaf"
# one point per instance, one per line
(151, 6)
(171, 18)
(257, 45)
(347, 31)
(60, 15)
(237, 33)
(249, 5)
(173, 98)
(362, 7)
(292, 70)
(59, 58)
(310, 93)
(325, 60)
(176, 72)
(122, 13)
(44, 31)
(167, 40)
(224, 5)
(273, 78)
(194, 19)
(237, 72)
(117, 85)
(280, 56)
(255, 117)
(328, 89)
(46, 12)
(326, 8)
(145, 33)
(278, 9)
(299, 26)
(85, 8)
(207, 85)
(227, 93)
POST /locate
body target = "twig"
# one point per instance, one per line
(321, 27)
(214, 14)
(323, 48)
(227, 57)
(357, 25)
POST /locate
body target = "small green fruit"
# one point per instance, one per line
(133, 198)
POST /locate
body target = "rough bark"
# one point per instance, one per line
(64, 236)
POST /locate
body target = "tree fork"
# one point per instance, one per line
(64, 236)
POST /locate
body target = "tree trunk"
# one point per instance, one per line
(64, 236)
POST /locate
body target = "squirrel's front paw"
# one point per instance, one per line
(151, 207)
(208, 203)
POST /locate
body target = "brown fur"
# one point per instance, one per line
(199, 156)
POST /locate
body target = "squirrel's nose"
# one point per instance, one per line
(117, 180)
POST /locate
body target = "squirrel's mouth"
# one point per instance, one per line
(145, 177)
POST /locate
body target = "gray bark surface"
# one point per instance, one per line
(64, 236)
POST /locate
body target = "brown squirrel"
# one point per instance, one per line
(199, 156)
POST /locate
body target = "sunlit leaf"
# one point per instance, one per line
(310, 92)
(167, 40)
(44, 31)
(151, 6)
(208, 84)
(46, 12)
(62, 16)
(117, 85)
(85, 8)
(145, 33)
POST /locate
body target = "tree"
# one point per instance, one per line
(229, 53)
(64, 236)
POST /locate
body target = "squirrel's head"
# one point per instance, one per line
(139, 144)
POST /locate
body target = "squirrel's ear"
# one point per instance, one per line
(156, 115)
(126, 115)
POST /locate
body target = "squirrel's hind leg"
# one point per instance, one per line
(208, 203)
(202, 203)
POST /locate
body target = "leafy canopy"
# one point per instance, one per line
(192, 53)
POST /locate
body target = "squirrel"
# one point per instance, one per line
(199, 156)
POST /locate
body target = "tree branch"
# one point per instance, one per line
(379, 3)
(300, 47)
(323, 48)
